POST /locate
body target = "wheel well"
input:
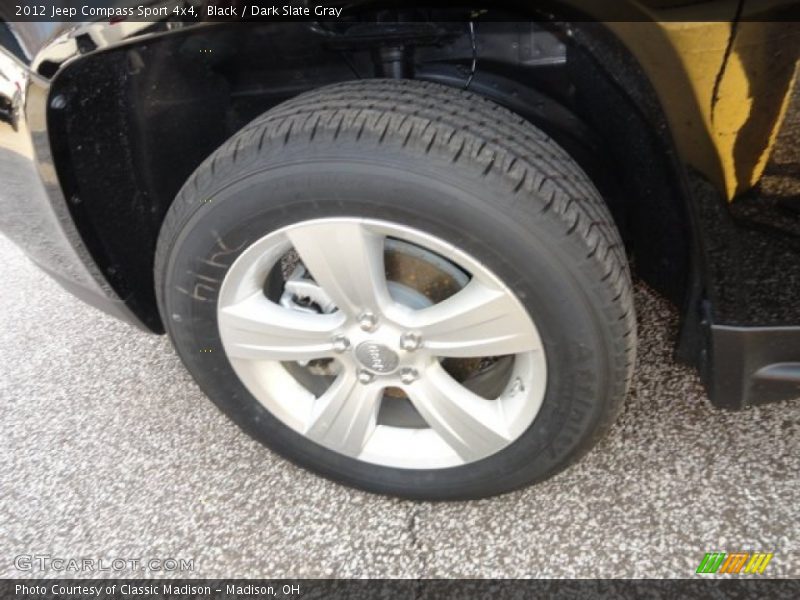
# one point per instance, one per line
(135, 121)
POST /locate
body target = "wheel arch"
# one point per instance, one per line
(136, 120)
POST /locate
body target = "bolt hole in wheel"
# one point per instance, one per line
(382, 342)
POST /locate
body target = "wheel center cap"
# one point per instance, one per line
(377, 357)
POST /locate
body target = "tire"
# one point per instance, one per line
(443, 163)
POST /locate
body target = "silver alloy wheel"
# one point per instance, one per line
(379, 343)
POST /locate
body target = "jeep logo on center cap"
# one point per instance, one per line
(377, 357)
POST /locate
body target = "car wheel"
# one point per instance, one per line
(404, 287)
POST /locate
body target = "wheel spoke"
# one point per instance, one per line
(345, 416)
(470, 425)
(479, 320)
(257, 329)
(346, 260)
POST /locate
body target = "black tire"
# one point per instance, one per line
(449, 163)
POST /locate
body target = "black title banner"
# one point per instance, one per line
(396, 10)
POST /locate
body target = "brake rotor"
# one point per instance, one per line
(434, 279)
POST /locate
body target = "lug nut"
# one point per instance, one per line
(365, 377)
(367, 321)
(410, 341)
(340, 344)
(408, 375)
